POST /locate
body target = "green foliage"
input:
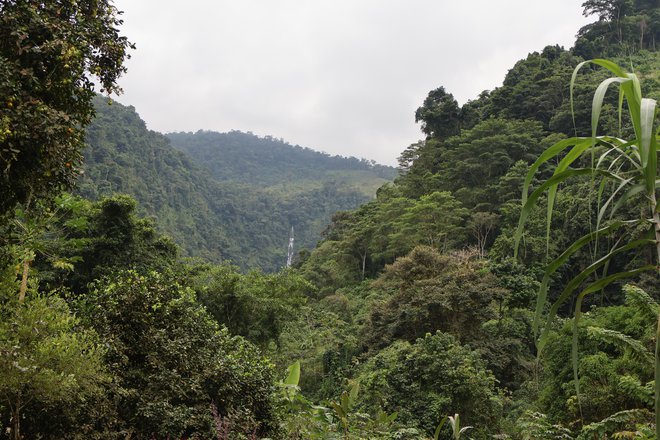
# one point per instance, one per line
(439, 115)
(301, 419)
(170, 360)
(47, 363)
(615, 365)
(41, 234)
(471, 164)
(635, 172)
(247, 220)
(429, 292)
(619, 420)
(435, 220)
(268, 162)
(343, 407)
(360, 243)
(48, 54)
(623, 27)
(304, 420)
(428, 379)
(114, 238)
(536, 88)
(256, 305)
(324, 341)
(397, 316)
(536, 426)
(457, 430)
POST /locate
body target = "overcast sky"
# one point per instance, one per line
(340, 76)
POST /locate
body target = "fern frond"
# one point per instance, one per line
(615, 422)
(623, 342)
(641, 301)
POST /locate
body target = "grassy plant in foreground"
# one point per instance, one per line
(624, 169)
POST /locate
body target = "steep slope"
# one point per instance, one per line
(211, 219)
(473, 162)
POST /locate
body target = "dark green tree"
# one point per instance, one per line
(171, 361)
(434, 220)
(425, 380)
(49, 51)
(116, 239)
(256, 305)
(430, 291)
(439, 115)
(608, 9)
(46, 361)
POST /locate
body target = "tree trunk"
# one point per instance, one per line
(15, 428)
(23, 289)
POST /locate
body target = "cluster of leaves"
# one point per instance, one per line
(48, 51)
(170, 360)
(256, 305)
(142, 357)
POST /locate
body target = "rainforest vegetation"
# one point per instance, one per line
(452, 305)
(206, 199)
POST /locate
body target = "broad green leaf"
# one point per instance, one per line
(293, 376)
(648, 149)
(594, 287)
(355, 388)
(553, 181)
(436, 434)
(637, 86)
(597, 104)
(574, 284)
(345, 402)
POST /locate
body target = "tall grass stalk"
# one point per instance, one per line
(628, 168)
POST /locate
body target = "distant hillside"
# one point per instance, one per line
(237, 219)
(266, 161)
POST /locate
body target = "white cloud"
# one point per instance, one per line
(342, 76)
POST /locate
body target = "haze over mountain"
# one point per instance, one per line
(235, 197)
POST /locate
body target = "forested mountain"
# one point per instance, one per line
(241, 209)
(432, 256)
(413, 318)
(269, 162)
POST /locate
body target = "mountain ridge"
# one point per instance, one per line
(245, 221)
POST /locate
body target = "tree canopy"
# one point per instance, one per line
(51, 55)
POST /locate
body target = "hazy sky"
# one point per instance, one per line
(341, 76)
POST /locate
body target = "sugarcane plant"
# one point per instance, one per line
(456, 430)
(625, 172)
